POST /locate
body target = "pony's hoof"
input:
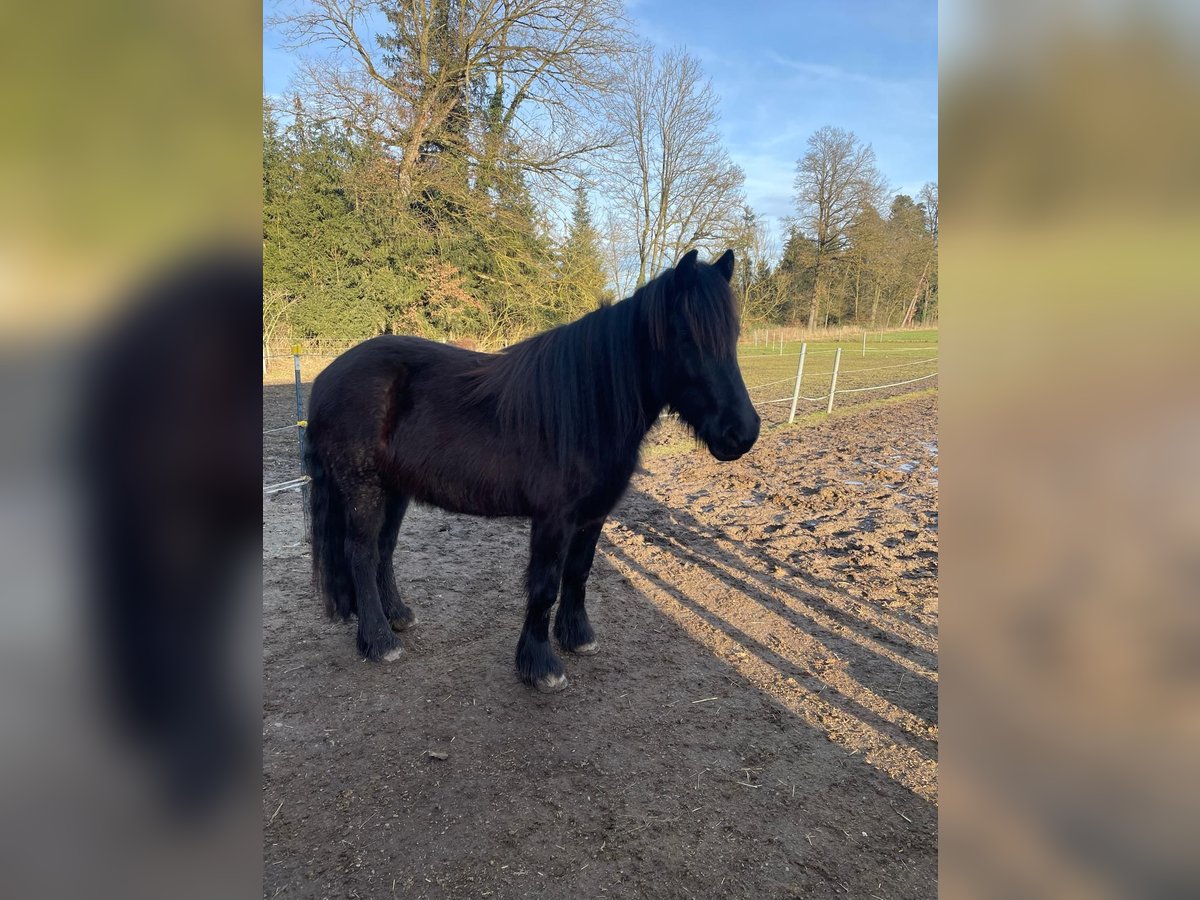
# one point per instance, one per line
(404, 624)
(551, 684)
(591, 648)
(394, 654)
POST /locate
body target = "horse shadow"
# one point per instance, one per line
(889, 663)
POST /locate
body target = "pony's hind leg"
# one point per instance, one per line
(399, 615)
(367, 514)
(571, 625)
(536, 663)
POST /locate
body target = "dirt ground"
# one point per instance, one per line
(761, 720)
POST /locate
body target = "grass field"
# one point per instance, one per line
(770, 375)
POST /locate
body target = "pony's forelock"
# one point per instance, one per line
(705, 308)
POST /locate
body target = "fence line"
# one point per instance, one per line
(333, 353)
(301, 424)
(289, 485)
(769, 335)
(834, 390)
(797, 353)
(915, 362)
(835, 349)
(771, 383)
(879, 387)
(789, 400)
(315, 354)
(764, 339)
(844, 372)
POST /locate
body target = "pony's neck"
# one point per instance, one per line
(646, 363)
(652, 408)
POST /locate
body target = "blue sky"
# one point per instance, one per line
(782, 70)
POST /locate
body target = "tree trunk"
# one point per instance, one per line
(818, 288)
(841, 296)
(813, 310)
(912, 306)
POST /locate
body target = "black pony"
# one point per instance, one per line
(548, 429)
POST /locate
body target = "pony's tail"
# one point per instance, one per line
(331, 568)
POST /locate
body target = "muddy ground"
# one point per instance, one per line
(761, 721)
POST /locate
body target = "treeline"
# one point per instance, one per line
(490, 170)
(845, 261)
(347, 254)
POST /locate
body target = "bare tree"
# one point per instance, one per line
(614, 242)
(531, 69)
(276, 305)
(670, 168)
(755, 249)
(928, 199)
(835, 179)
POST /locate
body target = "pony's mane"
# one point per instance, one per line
(582, 383)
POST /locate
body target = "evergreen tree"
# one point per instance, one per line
(797, 272)
(580, 265)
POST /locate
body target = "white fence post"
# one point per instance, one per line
(799, 375)
(837, 361)
(781, 343)
(864, 345)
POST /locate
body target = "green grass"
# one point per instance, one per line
(905, 337)
(902, 359)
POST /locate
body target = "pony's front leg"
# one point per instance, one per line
(536, 663)
(571, 625)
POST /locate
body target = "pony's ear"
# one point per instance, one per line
(724, 265)
(685, 270)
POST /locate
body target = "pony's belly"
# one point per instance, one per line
(471, 487)
(471, 504)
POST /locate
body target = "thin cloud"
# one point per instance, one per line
(823, 72)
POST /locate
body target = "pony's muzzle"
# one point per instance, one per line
(737, 438)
